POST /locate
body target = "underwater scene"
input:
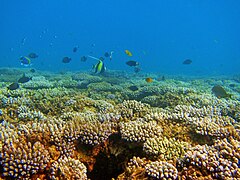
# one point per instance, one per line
(120, 90)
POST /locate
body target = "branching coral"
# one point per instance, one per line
(95, 132)
(25, 113)
(141, 168)
(66, 168)
(165, 148)
(161, 170)
(52, 124)
(132, 108)
(23, 159)
(220, 160)
(38, 82)
(139, 131)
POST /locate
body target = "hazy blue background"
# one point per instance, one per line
(160, 34)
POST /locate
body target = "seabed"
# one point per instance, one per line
(81, 125)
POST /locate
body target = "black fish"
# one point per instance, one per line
(13, 86)
(219, 91)
(32, 70)
(132, 63)
(83, 58)
(75, 49)
(187, 61)
(66, 59)
(32, 55)
(163, 78)
(232, 85)
(24, 79)
(106, 54)
(133, 88)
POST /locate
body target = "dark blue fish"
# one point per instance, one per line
(75, 49)
(24, 79)
(187, 61)
(132, 63)
(133, 88)
(32, 70)
(106, 54)
(83, 58)
(66, 59)
(13, 86)
(32, 55)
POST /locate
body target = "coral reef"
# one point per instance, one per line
(38, 82)
(81, 126)
(19, 158)
(165, 148)
(68, 168)
(221, 160)
(161, 170)
(139, 131)
(141, 168)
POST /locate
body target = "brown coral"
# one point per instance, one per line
(23, 159)
(66, 168)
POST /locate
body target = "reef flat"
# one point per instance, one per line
(78, 125)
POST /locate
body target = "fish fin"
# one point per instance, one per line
(94, 58)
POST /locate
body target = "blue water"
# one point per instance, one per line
(161, 34)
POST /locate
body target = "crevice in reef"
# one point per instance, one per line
(106, 167)
(112, 160)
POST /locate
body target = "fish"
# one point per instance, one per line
(220, 92)
(106, 54)
(24, 79)
(162, 78)
(187, 61)
(128, 52)
(137, 69)
(232, 85)
(23, 40)
(75, 49)
(32, 70)
(99, 67)
(111, 54)
(83, 58)
(133, 88)
(32, 55)
(13, 86)
(149, 79)
(25, 61)
(132, 63)
(66, 59)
